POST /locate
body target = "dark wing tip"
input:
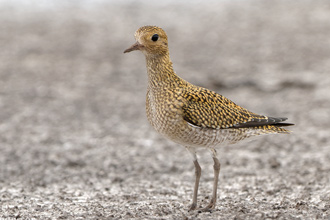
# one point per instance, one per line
(284, 124)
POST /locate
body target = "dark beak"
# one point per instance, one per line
(136, 46)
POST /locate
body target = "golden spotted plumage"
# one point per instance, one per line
(190, 115)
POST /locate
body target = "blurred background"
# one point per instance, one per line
(74, 138)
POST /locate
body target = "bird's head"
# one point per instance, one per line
(151, 40)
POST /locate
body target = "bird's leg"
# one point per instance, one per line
(216, 168)
(198, 172)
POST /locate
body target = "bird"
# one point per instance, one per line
(193, 116)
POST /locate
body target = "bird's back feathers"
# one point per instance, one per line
(205, 108)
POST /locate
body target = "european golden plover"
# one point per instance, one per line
(190, 115)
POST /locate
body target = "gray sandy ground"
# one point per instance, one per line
(74, 139)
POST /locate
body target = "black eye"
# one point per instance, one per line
(154, 37)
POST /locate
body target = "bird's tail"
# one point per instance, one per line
(276, 128)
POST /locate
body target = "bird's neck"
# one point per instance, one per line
(161, 73)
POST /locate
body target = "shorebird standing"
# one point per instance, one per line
(193, 116)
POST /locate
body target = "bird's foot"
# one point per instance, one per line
(192, 207)
(209, 207)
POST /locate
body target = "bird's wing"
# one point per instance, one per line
(205, 108)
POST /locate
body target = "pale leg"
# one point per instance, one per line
(198, 172)
(216, 168)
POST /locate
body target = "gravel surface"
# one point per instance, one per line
(74, 139)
